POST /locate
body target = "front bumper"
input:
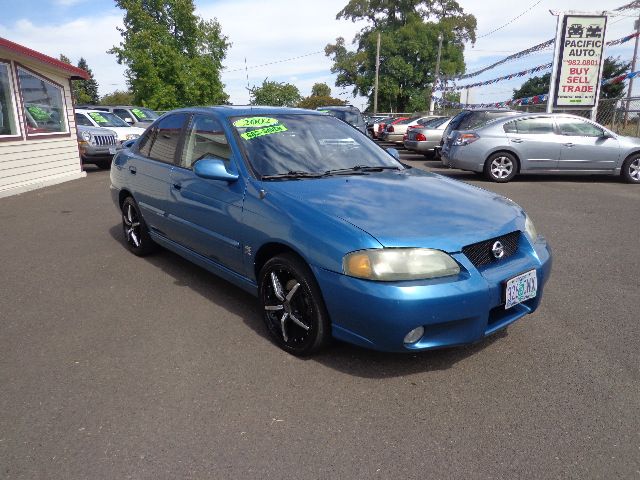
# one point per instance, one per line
(453, 310)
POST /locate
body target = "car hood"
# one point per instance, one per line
(629, 141)
(124, 131)
(408, 208)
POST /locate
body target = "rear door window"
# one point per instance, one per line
(161, 142)
(531, 126)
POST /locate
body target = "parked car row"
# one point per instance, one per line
(101, 130)
(502, 143)
(512, 143)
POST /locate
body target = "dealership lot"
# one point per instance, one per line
(114, 366)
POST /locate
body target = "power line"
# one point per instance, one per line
(510, 21)
(273, 63)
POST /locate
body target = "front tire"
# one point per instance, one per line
(292, 305)
(501, 167)
(631, 169)
(136, 233)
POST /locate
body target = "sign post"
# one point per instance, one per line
(578, 64)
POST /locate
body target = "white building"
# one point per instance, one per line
(38, 144)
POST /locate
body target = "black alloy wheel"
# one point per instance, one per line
(292, 305)
(135, 230)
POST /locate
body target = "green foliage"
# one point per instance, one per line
(86, 90)
(118, 97)
(83, 91)
(275, 94)
(173, 57)
(612, 67)
(408, 49)
(320, 90)
(534, 86)
(314, 101)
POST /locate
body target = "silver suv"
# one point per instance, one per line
(97, 145)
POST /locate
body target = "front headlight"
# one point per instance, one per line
(393, 264)
(132, 136)
(530, 229)
(86, 136)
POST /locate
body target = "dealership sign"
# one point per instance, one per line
(580, 61)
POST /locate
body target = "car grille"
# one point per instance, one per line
(101, 140)
(480, 253)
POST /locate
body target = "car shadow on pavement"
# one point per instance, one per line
(340, 356)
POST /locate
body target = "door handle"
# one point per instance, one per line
(569, 144)
(517, 140)
(132, 170)
(177, 186)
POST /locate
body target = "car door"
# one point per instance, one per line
(206, 215)
(149, 170)
(535, 142)
(585, 146)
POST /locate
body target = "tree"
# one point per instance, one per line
(173, 57)
(83, 91)
(314, 101)
(612, 67)
(320, 90)
(275, 93)
(408, 49)
(118, 97)
(538, 85)
(86, 90)
(320, 96)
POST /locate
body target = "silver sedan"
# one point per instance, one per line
(426, 138)
(542, 143)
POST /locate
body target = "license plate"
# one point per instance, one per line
(112, 150)
(521, 288)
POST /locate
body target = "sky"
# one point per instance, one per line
(278, 30)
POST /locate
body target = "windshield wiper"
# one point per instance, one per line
(292, 174)
(360, 169)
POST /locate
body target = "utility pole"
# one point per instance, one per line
(375, 95)
(437, 75)
(633, 69)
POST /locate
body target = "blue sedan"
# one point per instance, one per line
(333, 234)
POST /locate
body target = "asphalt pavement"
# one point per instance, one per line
(118, 367)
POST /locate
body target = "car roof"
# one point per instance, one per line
(240, 110)
(338, 107)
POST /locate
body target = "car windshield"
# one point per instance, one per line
(144, 114)
(344, 115)
(106, 119)
(303, 143)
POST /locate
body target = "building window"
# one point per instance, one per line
(44, 109)
(8, 124)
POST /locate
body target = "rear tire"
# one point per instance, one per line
(501, 167)
(136, 233)
(631, 169)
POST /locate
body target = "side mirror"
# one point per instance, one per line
(606, 134)
(129, 120)
(213, 169)
(394, 153)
